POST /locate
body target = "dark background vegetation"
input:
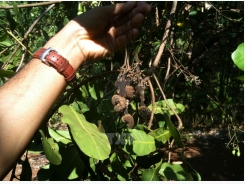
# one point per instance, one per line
(195, 70)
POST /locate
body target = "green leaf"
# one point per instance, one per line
(17, 14)
(150, 175)
(71, 166)
(92, 142)
(238, 56)
(5, 43)
(161, 124)
(26, 173)
(11, 20)
(161, 135)
(143, 144)
(80, 107)
(174, 132)
(192, 13)
(3, 37)
(65, 21)
(51, 149)
(173, 172)
(60, 135)
(161, 107)
(6, 73)
(241, 78)
(93, 92)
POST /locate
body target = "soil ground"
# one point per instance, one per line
(206, 151)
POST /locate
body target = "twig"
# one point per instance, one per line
(177, 116)
(37, 20)
(164, 39)
(169, 61)
(152, 103)
(22, 59)
(135, 165)
(30, 5)
(3, 50)
(11, 34)
(234, 20)
(167, 73)
(157, 17)
(27, 33)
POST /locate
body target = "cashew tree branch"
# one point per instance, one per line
(31, 5)
(166, 33)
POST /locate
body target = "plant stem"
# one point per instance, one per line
(31, 5)
(166, 33)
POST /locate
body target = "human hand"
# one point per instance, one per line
(104, 30)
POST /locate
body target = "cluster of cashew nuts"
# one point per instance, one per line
(126, 92)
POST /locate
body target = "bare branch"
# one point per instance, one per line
(166, 33)
(165, 99)
(22, 59)
(27, 33)
(37, 20)
(31, 5)
(152, 103)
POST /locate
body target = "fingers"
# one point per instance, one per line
(126, 38)
(135, 22)
(141, 8)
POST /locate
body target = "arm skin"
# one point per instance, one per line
(27, 97)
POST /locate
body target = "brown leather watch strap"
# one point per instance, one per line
(52, 58)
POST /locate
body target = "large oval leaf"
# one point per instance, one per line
(238, 56)
(92, 142)
(143, 144)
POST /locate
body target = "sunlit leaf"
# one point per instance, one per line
(150, 175)
(60, 135)
(51, 149)
(6, 43)
(87, 136)
(238, 56)
(161, 135)
(161, 107)
(80, 107)
(143, 144)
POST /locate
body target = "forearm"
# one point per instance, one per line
(25, 101)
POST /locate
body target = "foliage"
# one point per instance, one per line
(196, 73)
(238, 56)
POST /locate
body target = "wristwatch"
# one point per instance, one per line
(52, 58)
